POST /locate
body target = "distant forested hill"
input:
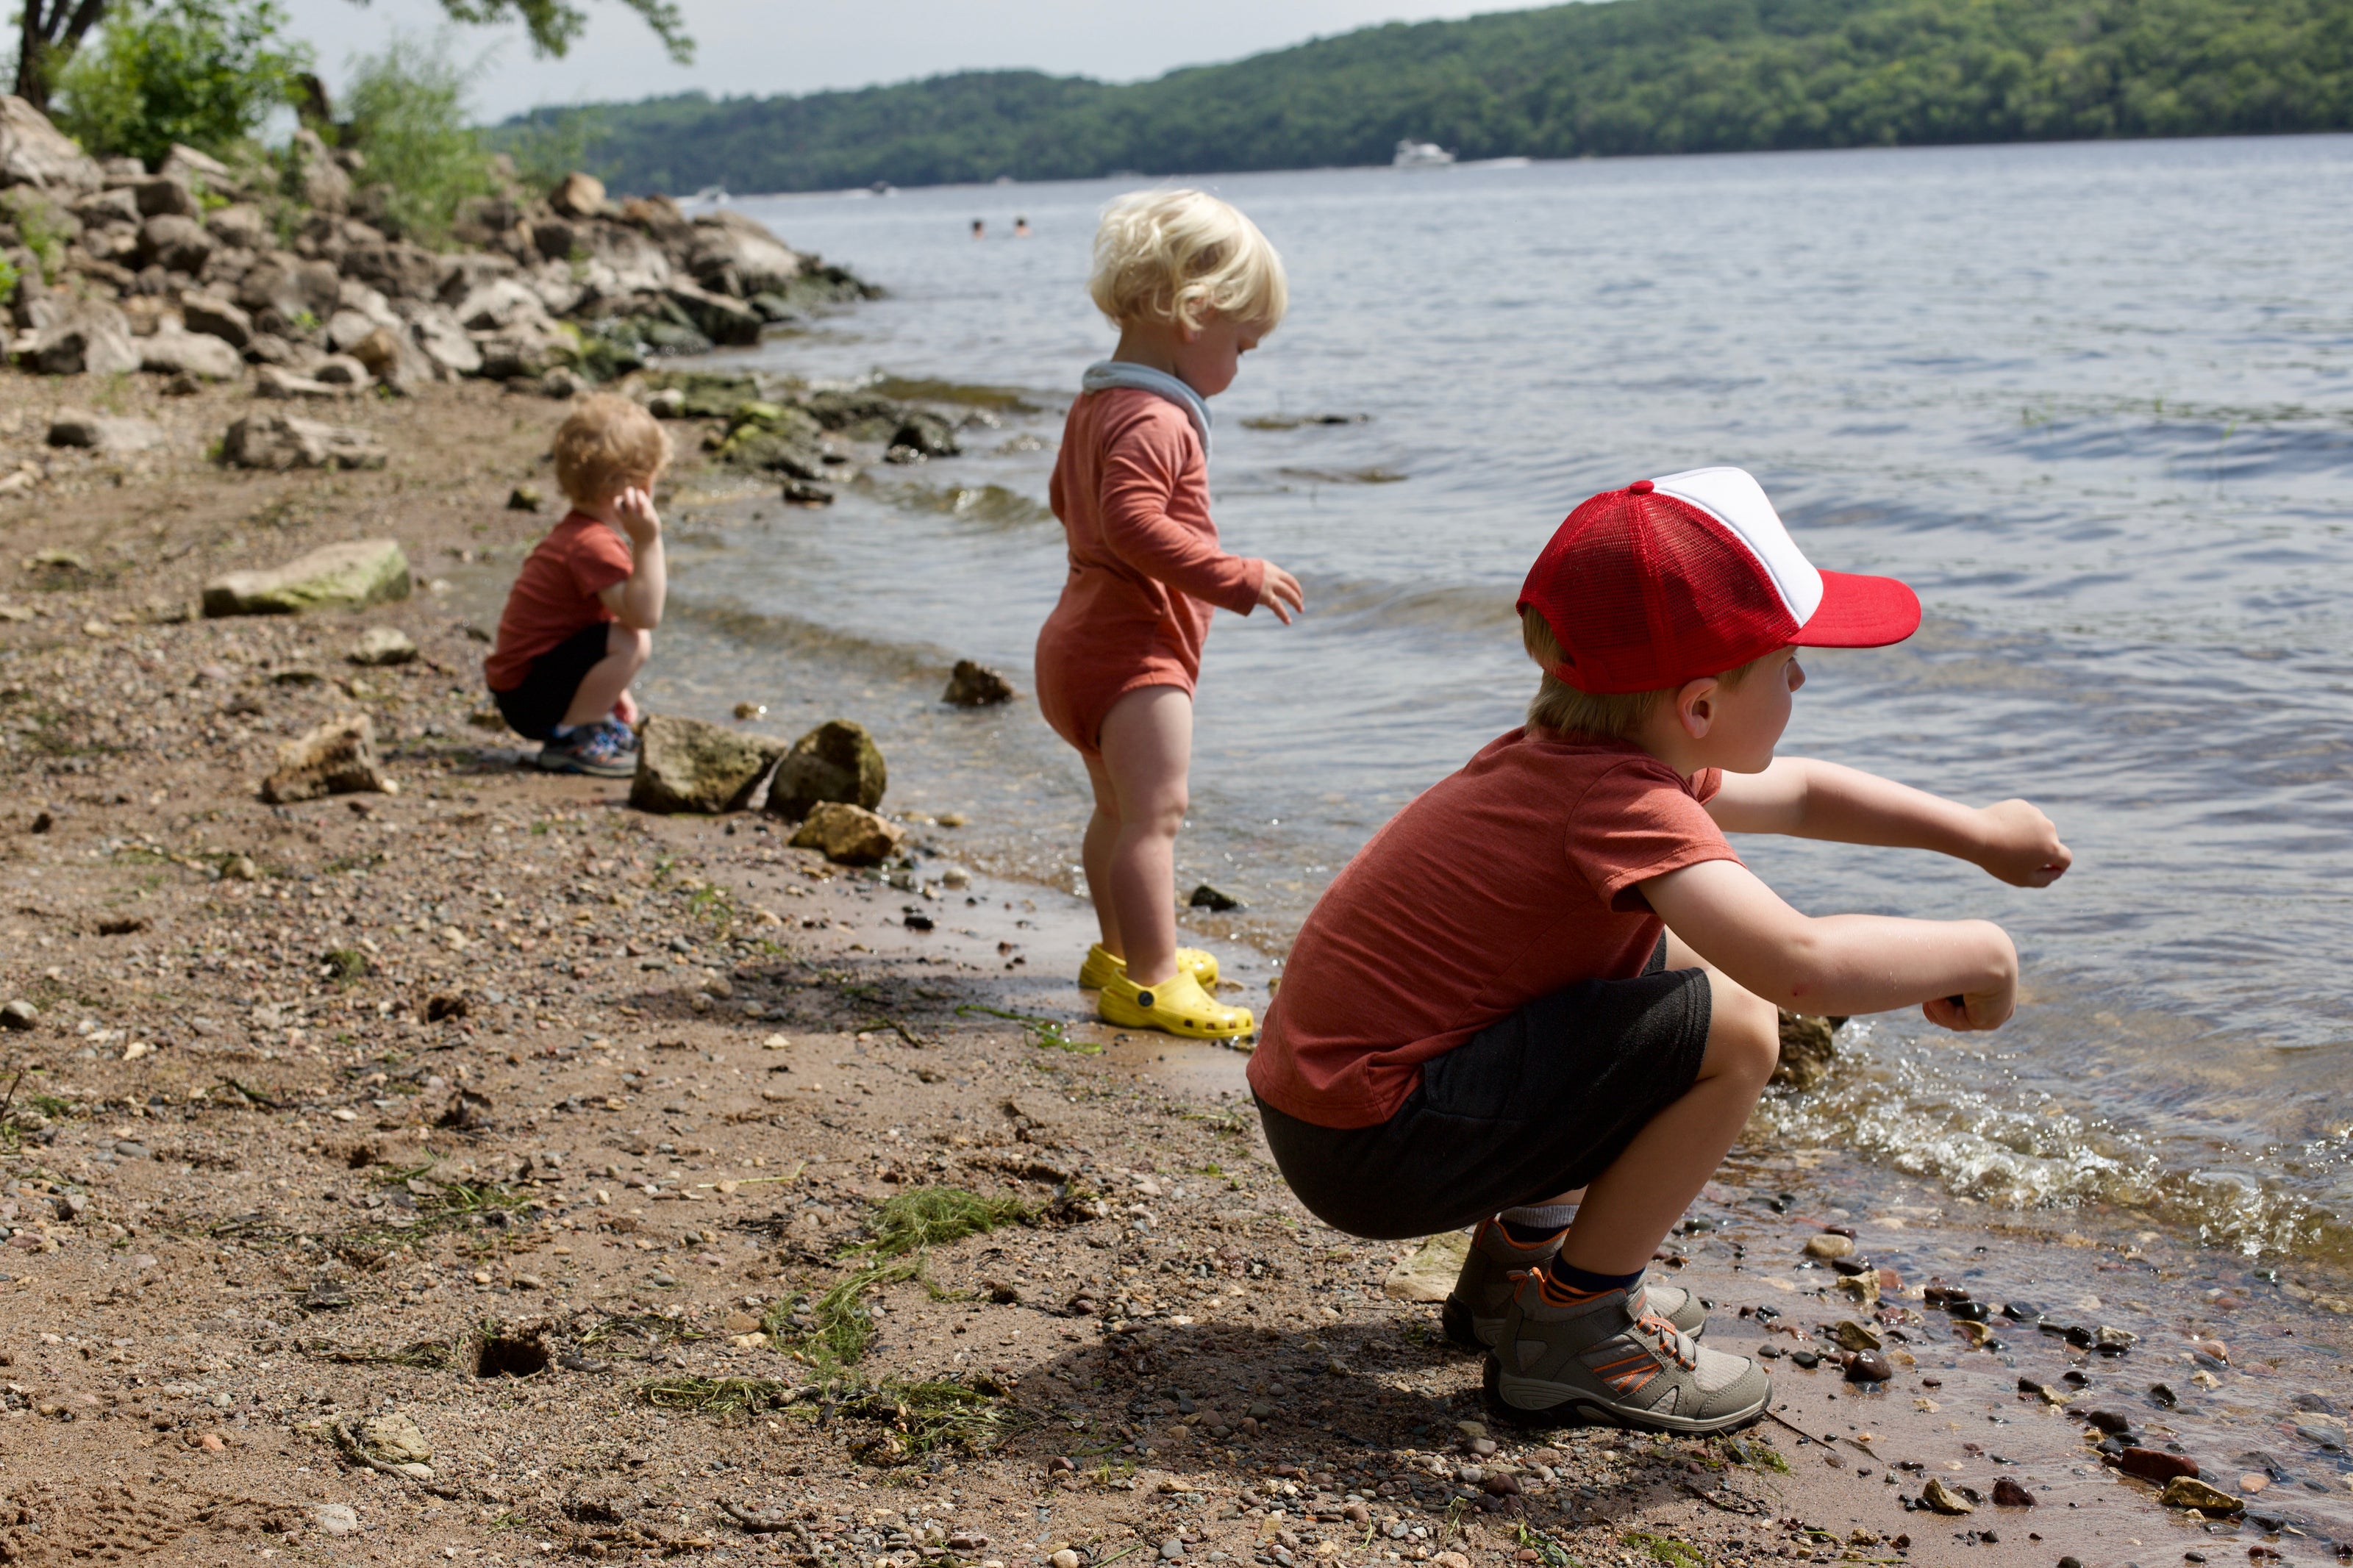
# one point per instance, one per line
(1624, 77)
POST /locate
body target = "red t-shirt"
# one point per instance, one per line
(554, 596)
(1512, 879)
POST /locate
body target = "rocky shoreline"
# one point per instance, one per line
(436, 1158)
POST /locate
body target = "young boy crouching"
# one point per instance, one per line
(1550, 978)
(580, 618)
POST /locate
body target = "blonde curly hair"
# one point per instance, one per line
(1177, 256)
(607, 443)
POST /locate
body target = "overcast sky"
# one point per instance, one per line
(795, 45)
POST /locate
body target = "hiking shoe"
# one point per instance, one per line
(1101, 966)
(605, 750)
(1472, 1316)
(1609, 1360)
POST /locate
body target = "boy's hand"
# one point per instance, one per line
(1281, 593)
(1975, 1011)
(2021, 847)
(633, 509)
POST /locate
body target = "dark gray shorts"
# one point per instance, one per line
(1535, 1106)
(535, 708)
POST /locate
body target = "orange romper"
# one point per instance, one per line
(1131, 488)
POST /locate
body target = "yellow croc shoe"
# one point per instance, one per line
(1177, 1005)
(1100, 966)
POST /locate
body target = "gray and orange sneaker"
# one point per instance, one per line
(1472, 1316)
(1612, 1359)
(606, 750)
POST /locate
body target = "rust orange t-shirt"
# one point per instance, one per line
(1131, 488)
(554, 596)
(1512, 879)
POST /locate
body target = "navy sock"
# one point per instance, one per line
(1530, 1235)
(1583, 1281)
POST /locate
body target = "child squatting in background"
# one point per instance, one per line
(580, 618)
(1552, 972)
(1193, 286)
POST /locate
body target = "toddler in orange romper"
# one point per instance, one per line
(1193, 286)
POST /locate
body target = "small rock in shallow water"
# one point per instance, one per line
(1830, 1246)
(1944, 1499)
(1206, 897)
(525, 498)
(2154, 1464)
(2007, 1493)
(975, 684)
(1867, 1366)
(2189, 1492)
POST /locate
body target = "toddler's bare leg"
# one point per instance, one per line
(626, 653)
(1630, 1207)
(1095, 853)
(1147, 749)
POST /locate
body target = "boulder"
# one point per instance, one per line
(579, 195)
(89, 337)
(439, 338)
(922, 431)
(639, 265)
(731, 254)
(347, 327)
(838, 761)
(98, 433)
(162, 198)
(321, 182)
(461, 273)
(382, 646)
(402, 270)
(499, 303)
(275, 381)
(284, 284)
(337, 758)
(341, 372)
(974, 685)
(197, 170)
(333, 577)
(688, 765)
(282, 441)
(724, 321)
(657, 218)
(1807, 1050)
(174, 243)
(173, 350)
(392, 359)
(217, 318)
(239, 226)
(107, 209)
(528, 349)
(35, 152)
(848, 834)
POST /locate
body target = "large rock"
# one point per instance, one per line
(162, 197)
(92, 337)
(35, 152)
(333, 577)
(685, 764)
(579, 195)
(438, 337)
(197, 170)
(98, 432)
(722, 319)
(500, 303)
(174, 243)
(734, 255)
(337, 758)
(282, 441)
(217, 318)
(174, 349)
(322, 184)
(837, 761)
(107, 209)
(527, 349)
(1807, 1050)
(402, 270)
(392, 359)
(848, 834)
(239, 226)
(286, 286)
(275, 381)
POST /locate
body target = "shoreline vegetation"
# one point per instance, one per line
(1618, 79)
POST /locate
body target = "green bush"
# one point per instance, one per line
(409, 117)
(206, 72)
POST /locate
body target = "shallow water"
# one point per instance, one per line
(2091, 400)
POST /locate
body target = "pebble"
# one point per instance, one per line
(19, 1014)
(335, 1518)
(1828, 1245)
(1065, 1558)
(1172, 1551)
(1867, 1366)
(2007, 1493)
(2155, 1465)
(1944, 1499)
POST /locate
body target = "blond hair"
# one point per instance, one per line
(1609, 715)
(607, 443)
(1175, 255)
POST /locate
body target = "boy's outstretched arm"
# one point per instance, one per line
(1962, 974)
(1806, 799)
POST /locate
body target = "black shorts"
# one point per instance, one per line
(1525, 1110)
(535, 708)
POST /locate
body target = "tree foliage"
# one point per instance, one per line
(408, 119)
(1626, 77)
(205, 72)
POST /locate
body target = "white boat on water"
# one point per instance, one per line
(1421, 155)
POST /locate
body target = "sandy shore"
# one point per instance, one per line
(679, 1193)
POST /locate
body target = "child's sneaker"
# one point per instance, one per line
(1472, 1316)
(1100, 966)
(607, 750)
(1177, 1004)
(1609, 1360)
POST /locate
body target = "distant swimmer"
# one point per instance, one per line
(1021, 228)
(979, 229)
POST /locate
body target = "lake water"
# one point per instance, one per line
(2094, 402)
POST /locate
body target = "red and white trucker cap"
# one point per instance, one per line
(1693, 574)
